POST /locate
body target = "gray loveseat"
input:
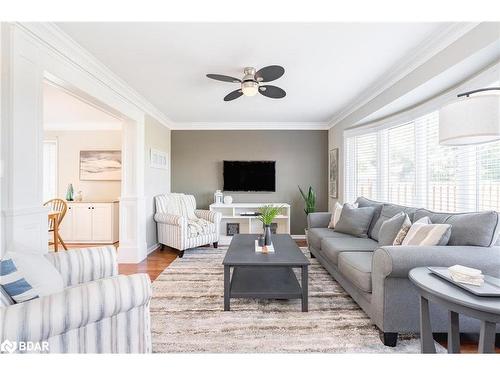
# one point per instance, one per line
(377, 277)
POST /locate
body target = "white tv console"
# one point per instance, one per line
(231, 213)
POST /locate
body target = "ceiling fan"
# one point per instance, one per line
(251, 83)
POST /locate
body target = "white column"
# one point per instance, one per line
(24, 219)
(133, 246)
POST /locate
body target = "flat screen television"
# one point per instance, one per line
(249, 175)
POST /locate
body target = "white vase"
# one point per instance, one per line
(228, 199)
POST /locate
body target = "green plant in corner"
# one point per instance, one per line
(269, 213)
(309, 200)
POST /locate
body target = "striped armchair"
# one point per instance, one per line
(181, 226)
(99, 311)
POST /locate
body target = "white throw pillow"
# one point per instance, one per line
(25, 276)
(337, 210)
(424, 233)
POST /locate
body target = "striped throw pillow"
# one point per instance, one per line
(424, 233)
(24, 276)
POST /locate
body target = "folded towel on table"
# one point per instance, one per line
(466, 275)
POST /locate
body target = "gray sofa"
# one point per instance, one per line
(377, 277)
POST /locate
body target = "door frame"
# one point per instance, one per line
(31, 54)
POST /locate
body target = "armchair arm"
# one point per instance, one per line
(83, 265)
(170, 219)
(397, 261)
(211, 216)
(318, 219)
(38, 319)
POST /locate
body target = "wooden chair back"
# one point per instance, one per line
(57, 205)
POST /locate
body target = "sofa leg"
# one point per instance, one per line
(216, 245)
(181, 253)
(389, 338)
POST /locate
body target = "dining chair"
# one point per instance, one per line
(60, 206)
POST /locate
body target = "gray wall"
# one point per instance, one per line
(301, 159)
(156, 181)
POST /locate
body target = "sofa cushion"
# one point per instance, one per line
(424, 233)
(355, 221)
(365, 202)
(388, 211)
(390, 229)
(25, 275)
(332, 247)
(357, 268)
(467, 229)
(315, 235)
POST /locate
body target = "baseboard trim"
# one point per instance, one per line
(153, 247)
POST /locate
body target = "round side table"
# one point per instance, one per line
(458, 301)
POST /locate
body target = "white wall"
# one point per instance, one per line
(156, 181)
(69, 145)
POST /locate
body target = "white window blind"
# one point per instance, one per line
(49, 170)
(408, 166)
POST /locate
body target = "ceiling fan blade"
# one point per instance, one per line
(233, 95)
(269, 73)
(272, 92)
(220, 77)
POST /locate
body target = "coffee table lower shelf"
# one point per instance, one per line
(265, 283)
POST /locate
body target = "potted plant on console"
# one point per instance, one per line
(267, 216)
(310, 202)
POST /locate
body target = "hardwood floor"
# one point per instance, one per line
(153, 265)
(159, 259)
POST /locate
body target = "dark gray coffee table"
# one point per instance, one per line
(265, 276)
(458, 301)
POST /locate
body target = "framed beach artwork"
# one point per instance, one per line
(333, 173)
(100, 165)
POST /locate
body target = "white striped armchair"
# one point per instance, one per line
(181, 226)
(99, 311)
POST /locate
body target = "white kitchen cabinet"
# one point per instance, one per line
(90, 222)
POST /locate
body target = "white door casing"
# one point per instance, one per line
(31, 53)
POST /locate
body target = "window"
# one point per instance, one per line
(49, 170)
(405, 164)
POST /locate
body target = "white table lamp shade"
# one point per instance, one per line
(470, 120)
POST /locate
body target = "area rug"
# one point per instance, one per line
(187, 315)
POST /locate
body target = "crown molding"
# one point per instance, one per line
(59, 42)
(251, 126)
(418, 56)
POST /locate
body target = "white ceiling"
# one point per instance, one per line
(62, 111)
(327, 65)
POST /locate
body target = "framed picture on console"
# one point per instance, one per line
(333, 173)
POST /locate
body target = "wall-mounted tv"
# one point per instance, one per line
(249, 175)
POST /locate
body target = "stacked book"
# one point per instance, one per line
(466, 275)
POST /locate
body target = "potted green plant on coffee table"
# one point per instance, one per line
(267, 215)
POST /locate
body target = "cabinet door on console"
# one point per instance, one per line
(102, 223)
(82, 222)
(66, 227)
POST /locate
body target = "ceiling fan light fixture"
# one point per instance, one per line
(250, 88)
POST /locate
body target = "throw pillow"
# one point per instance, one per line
(403, 231)
(336, 214)
(355, 221)
(390, 229)
(25, 276)
(423, 233)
